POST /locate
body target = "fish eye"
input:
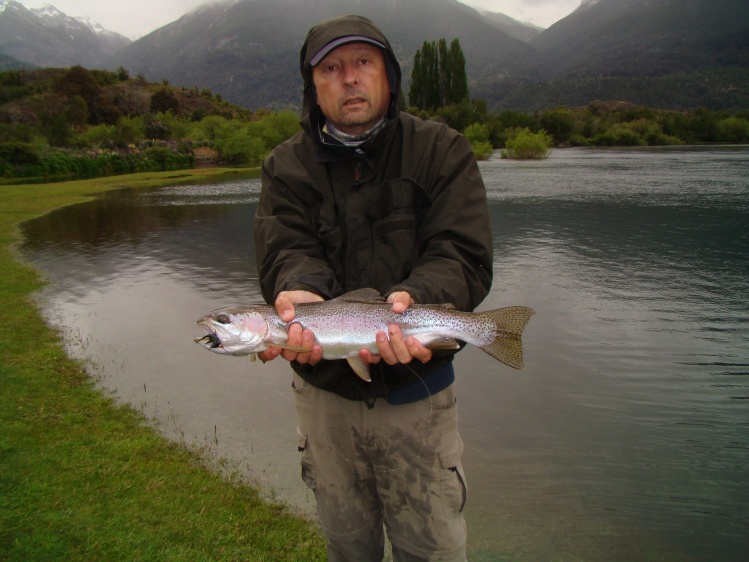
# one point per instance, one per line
(223, 319)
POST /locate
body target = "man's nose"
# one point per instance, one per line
(350, 75)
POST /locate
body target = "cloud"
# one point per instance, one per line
(538, 12)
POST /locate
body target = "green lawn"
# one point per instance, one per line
(83, 478)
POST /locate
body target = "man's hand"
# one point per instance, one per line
(297, 338)
(392, 347)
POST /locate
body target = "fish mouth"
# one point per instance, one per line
(209, 341)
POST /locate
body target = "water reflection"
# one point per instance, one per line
(626, 438)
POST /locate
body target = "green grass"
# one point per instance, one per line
(84, 478)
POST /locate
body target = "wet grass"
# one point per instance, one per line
(84, 478)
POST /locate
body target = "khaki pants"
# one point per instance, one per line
(397, 465)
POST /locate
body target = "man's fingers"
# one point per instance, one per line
(402, 354)
(269, 354)
(400, 300)
(417, 350)
(294, 341)
(392, 347)
(386, 351)
(395, 349)
(308, 340)
(369, 357)
(284, 308)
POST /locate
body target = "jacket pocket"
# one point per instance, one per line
(395, 230)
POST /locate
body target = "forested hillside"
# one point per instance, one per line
(77, 121)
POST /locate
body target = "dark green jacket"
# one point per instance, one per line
(406, 211)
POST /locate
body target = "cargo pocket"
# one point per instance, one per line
(308, 466)
(453, 486)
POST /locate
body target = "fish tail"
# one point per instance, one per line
(507, 346)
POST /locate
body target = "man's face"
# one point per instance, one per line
(352, 87)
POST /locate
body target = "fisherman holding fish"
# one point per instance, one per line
(369, 197)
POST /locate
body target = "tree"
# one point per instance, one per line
(457, 91)
(81, 82)
(439, 76)
(164, 100)
(558, 123)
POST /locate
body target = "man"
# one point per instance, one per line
(367, 196)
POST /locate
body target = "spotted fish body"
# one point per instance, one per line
(345, 325)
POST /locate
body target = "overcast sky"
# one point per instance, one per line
(135, 18)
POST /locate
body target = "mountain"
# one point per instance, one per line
(49, 38)
(248, 50)
(668, 54)
(9, 63)
(512, 27)
(673, 54)
(647, 37)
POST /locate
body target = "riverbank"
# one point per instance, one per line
(83, 478)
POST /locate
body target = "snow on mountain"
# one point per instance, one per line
(48, 37)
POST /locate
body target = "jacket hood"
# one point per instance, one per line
(333, 30)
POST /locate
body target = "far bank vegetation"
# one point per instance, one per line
(77, 122)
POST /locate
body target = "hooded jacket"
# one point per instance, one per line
(405, 211)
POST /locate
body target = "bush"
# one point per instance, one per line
(525, 145)
(478, 135)
(18, 153)
(558, 123)
(482, 150)
(156, 128)
(733, 129)
(619, 135)
(237, 146)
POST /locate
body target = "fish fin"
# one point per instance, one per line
(442, 343)
(507, 346)
(366, 296)
(360, 367)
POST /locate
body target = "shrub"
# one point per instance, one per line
(482, 150)
(156, 128)
(478, 135)
(239, 147)
(18, 153)
(619, 135)
(733, 129)
(558, 123)
(525, 145)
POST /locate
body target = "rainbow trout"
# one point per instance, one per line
(344, 325)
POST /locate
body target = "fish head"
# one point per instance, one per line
(234, 332)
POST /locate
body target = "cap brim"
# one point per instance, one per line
(335, 43)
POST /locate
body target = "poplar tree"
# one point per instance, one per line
(439, 76)
(458, 76)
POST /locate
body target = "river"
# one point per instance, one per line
(625, 438)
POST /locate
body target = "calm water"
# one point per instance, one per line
(625, 438)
